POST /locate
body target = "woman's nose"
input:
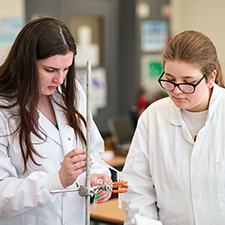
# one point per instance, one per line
(177, 90)
(59, 77)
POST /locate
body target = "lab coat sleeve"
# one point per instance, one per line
(18, 195)
(140, 200)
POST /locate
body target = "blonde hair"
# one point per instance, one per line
(195, 48)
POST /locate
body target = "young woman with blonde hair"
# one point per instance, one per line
(176, 162)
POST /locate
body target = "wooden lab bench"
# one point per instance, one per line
(108, 212)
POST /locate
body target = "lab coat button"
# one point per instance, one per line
(64, 194)
(64, 223)
(69, 138)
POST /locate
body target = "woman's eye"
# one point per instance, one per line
(171, 80)
(50, 70)
(188, 82)
(66, 69)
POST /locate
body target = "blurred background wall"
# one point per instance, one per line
(12, 8)
(119, 28)
(206, 16)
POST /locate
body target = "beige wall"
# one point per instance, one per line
(206, 16)
(12, 8)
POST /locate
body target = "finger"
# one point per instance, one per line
(104, 198)
(103, 194)
(76, 151)
(72, 160)
(80, 171)
(78, 165)
(77, 158)
(106, 179)
(68, 175)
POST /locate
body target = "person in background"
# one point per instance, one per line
(142, 101)
(176, 163)
(43, 130)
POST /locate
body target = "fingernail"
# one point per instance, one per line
(96, 196)
(99, 202)
(85, 147)
(90, 166)
(90, 159)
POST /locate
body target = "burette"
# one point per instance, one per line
(88, 137)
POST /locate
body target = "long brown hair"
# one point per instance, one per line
(194, 47)
(39, 39)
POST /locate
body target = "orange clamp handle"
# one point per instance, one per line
(120, 191)
(120, 184)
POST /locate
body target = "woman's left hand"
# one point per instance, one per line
(103, 195)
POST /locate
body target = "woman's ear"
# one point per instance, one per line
(212, 78)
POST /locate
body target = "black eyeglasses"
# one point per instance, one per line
(184, 87)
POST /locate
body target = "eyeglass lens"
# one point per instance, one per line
(183, 87)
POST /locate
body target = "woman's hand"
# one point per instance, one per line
(73, 165)
(103, 195)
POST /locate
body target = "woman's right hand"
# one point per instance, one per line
(73, 165)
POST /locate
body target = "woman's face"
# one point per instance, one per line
(181, 72)
(52, 71)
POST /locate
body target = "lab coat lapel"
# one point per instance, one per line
(49, 129)
(176, 119)
(65, 131)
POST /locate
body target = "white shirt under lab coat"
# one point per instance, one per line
(25, 199)
(172, 178)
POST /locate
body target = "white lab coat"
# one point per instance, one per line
(167, 169)
(25, 199)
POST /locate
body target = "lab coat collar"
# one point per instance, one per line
(176, 119)
(175, 113)
(59, 113)
(215, 99)
(176, 116)
(49, 129)
(66, 132)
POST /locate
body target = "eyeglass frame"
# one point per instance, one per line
(178, 85)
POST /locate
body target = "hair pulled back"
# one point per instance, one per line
(195, 48)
